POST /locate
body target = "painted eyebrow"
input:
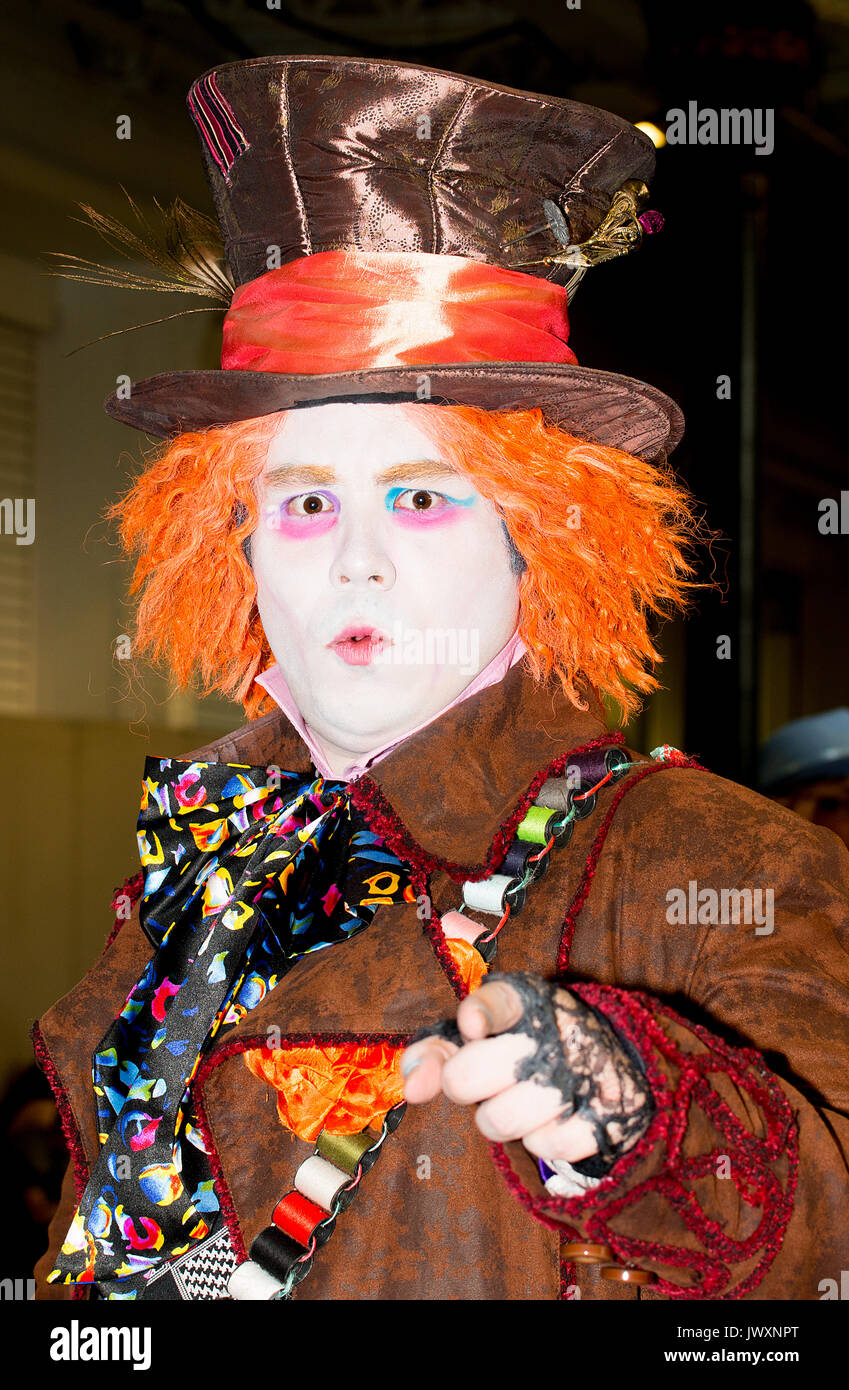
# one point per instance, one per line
(296, 474)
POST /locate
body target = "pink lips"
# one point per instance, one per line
(358, 644)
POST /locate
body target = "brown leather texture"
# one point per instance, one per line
(458, 1233)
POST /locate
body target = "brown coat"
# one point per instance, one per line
(463, 1232)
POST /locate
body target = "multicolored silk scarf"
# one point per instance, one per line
(247, 870)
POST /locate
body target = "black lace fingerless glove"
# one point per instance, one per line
(598, 1074)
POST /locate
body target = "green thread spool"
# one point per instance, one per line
(535, 827)
(344, 1150)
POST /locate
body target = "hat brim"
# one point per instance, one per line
(602, 407)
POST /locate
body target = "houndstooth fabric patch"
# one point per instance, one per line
(202, 1273)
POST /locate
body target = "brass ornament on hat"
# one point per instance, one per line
(618, 233)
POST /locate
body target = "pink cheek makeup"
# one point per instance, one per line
(301, 526)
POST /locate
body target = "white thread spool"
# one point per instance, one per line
(320, 1181)
(487, 895)
(249, 1281)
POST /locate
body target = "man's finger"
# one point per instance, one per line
(493, 1008)
(421, 1068)
(518, 1111)
(572, 1139)
(482, 1069)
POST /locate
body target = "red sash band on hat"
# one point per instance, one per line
(340, 311)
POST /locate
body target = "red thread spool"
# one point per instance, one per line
(297, 1216)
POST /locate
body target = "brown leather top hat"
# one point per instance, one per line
(399, 233)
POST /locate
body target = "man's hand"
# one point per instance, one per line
(540, 1066)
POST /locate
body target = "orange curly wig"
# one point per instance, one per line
(603, 535)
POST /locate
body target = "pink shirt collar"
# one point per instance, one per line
(275, 683)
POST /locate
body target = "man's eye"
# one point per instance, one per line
(309, 504)
(419, 500)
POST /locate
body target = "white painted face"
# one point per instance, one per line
(384, 579)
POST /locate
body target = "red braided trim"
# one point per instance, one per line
(231, 1049)
(443, 955)
(385, 821)
(73, 1142)
(638, 1017)
(583, 890)
(131, 888)
(433, 928)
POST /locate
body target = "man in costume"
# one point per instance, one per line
(419, 542)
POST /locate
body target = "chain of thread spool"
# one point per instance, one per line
(547, 824)
(281, 1256)
(325, 1184)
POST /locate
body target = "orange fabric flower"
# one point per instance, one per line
(344, 1087)
(341, 1088)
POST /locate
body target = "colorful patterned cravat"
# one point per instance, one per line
(247, 870)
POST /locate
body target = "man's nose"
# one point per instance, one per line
(362, 559)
